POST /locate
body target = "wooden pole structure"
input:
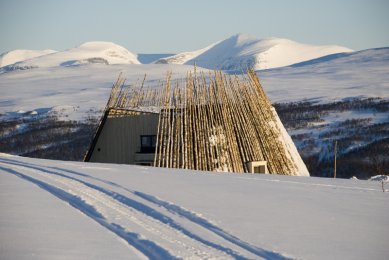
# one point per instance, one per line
(335, 151)
(218, 123)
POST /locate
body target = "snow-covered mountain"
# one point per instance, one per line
(235, 53)
(14, 56)
(242, 50)
(89, 52)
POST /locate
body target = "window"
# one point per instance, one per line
(257, 167)
(147, 143)
(260, 169)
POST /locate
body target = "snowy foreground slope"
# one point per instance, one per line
(241, 51)
(70, 210)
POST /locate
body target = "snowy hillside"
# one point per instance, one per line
(12, 57)
(329, 78)
(90, 52)
(81, 88)
(75, 90)
(242, 50)
(106, 211)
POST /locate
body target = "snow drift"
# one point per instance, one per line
(242, 51)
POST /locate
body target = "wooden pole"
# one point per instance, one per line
(335, 148)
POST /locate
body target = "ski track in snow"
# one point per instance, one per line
(155, 228)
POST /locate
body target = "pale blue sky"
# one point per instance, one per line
(171, 26)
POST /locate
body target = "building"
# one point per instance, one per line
(211, 123)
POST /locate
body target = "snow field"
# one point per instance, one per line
(163, 213)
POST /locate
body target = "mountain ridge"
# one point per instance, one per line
(243, 50)
(234, 53)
